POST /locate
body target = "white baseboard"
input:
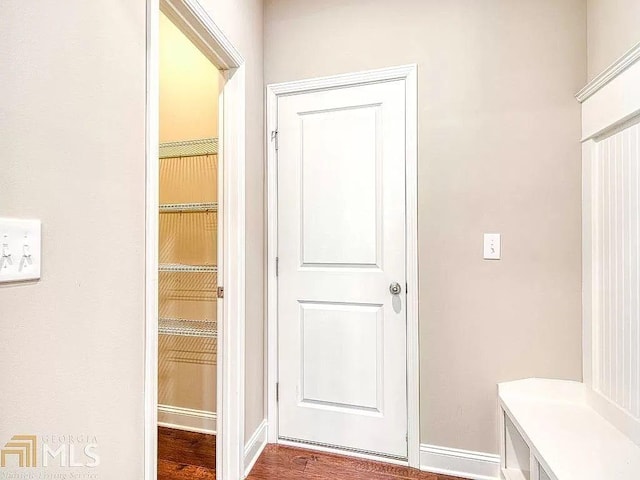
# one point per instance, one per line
(187, 419)
(459, 463)
(254, 447)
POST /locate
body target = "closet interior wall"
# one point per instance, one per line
(189, 90)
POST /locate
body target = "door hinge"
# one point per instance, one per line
(277, 392)
(277, 266)
(274, 138)
(220, 292)
(406, 288)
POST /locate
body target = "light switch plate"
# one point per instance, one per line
(492, 246)
(20, 250)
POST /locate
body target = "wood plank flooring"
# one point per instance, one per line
(185, 455)
(286, 463)
(192, 456)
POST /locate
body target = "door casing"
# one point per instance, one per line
(192, 19)
(408, 74)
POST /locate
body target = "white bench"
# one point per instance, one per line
(549, 432)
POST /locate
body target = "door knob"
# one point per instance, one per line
(395, 288)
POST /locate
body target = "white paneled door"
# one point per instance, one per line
(342, 362)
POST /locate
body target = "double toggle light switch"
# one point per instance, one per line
(20, 247)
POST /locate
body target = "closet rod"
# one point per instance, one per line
(189, 148)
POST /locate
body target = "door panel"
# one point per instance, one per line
(348, 338)
(341, 243)
(343, 163)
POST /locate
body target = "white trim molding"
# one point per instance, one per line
(459, 463)
(612, 103)
(408, 74)
(271, 202)
(194, 21)
(413, 287)
(342, 80)
(254, 447)
(589, 151)
(231, 333)
(188, 16)
(187, 419)
(610, 73)
(152, 235)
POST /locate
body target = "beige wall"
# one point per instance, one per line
(499, 151)
(73, 147)
(613, 28)
(242, 20)
(188, 88)
(72, 118)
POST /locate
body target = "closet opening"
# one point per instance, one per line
(195, 244)
(189, 248)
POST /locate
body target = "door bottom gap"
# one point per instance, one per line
(367, 453)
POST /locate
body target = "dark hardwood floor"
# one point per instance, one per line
(185, 455)
(286, 463)
(192, 456)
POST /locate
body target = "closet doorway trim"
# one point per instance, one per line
(194, 21)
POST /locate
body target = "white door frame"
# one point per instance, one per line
(193, 20)
(408, 74)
